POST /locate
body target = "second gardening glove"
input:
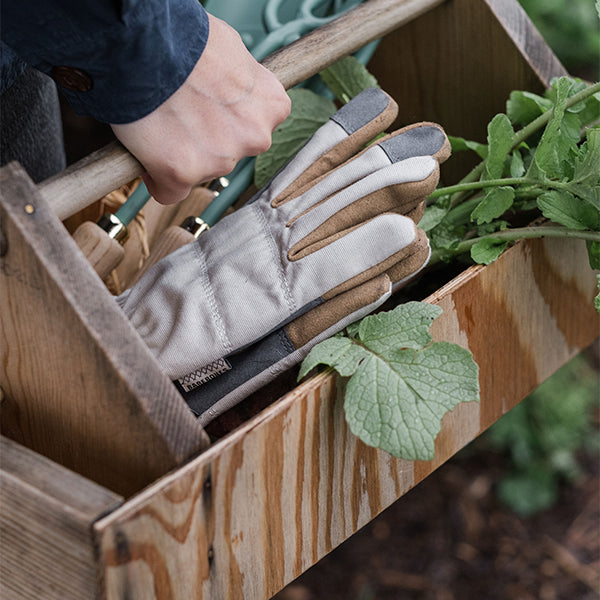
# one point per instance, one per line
(326, 224)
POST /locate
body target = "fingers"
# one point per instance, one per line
(410, 261)
(352, 257)
(398, 188)
(226, 109)
(420, 140)
(344, 134)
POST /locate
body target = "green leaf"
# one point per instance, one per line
(517, 167)
(407, 326)
(591, 194)
(487, 250)
(524, 107)
(338, 352)
(309, 111)
(550, 152)
(593, 249)
(460, 144)
(489, 228)
(587, 163)
(564, 208)
(445, 235)
(500, 135)
(397, 402)
(347, 78)
(401, 384)
(590, 111)
(432, 216)
(495, 203)
(530, 492)
(597, 298)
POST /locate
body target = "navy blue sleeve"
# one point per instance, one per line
(114, 60)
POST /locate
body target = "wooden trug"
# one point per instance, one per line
(140, 503)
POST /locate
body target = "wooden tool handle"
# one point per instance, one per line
(172, 238)
(103, 252)
(112, 166)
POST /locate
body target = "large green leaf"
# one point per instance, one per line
(500, 135)
(557, 137)
(401, 384)
(523, 107)
(587, 163)
(460, 144)
(495, 203)
(564, 208)
(487, 250)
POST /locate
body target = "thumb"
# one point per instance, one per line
(166, 192)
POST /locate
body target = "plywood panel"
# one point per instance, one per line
(265, 503)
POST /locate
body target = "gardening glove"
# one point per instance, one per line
(212, 390)
(315, 231)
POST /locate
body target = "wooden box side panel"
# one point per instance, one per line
(261, 506)
(522, 319)
(46, 515)
(79, 385)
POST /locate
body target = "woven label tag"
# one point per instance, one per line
(201, 376)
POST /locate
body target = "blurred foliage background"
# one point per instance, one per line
(572, 29)
(548, 435)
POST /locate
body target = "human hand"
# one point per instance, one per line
(226, 109)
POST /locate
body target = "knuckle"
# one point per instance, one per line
(260, 143)
(178, 171)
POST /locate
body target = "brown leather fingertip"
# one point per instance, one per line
(415, 257)
(319, 319)
(353, 145)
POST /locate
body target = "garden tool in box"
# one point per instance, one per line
(102, 242)
(325, 238)
(267, 25)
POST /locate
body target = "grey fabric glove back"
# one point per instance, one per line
(327, 224)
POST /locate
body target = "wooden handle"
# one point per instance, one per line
(103, 252)
(172, 238)
(112, 166)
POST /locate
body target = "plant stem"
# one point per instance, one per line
(461, 215)
(520, 233)
(520, 136)
(525, 132)
(475, 185)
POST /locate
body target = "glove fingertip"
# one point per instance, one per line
(372, 104)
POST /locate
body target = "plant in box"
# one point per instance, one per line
(540, 162)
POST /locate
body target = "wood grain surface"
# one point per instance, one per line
(265, 503)
(456, 65)
(102, 252)
(45, 522)
(80, 386)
